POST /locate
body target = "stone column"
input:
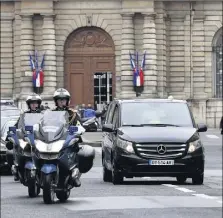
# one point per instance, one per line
(149, 45)
(49, 46)
(27, 45)
(17, 62)
(187, 52)
(127, 45)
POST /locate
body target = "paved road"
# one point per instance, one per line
(146, 197)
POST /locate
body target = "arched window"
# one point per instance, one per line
(217, 63)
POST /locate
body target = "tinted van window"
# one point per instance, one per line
(137, 113)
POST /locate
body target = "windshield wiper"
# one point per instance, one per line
(159, 124)
(134, 125)
(152, 124)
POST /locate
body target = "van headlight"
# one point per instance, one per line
(193, 146)
(125, 145)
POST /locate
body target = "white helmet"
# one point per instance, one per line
(61, 94)
(33, 98)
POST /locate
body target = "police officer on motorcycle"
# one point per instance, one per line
(62, 100)
(33, 102)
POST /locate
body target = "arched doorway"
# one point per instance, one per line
(88, 50)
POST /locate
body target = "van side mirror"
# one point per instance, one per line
(108, 128)
(201, 127)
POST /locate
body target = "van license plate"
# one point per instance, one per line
(161, 162)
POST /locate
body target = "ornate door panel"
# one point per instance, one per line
(87, 51)
(76, 78)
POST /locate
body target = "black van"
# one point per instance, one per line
(152, 137)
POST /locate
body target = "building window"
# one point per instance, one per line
(217, 64)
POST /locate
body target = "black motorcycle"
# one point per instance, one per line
(55, 154)
(22, 152)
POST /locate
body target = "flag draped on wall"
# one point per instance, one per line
(138, 74)
(38, 73)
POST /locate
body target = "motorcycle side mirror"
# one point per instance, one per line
(12, 130)
(73, 129)
(29, 129)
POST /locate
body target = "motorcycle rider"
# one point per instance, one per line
(33, 102)
(62, 100)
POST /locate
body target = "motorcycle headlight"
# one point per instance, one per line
(125, 145)
(193, 146)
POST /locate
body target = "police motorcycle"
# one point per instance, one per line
(58, 156)
(90, 120)
(22, 152)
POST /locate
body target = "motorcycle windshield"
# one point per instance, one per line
(54, 125)
(29, 119)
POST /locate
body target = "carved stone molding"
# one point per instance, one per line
(89, 19)
(26, 16)
(89, 37)
(149, 15)
(127, 15)
(49, 16)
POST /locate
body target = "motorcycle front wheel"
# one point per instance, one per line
(48, 190)
(63, 195)
(33, 188)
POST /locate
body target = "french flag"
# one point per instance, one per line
(138, 77)
(38, 75)
(33, 68)
(141, 73)
(134, 69)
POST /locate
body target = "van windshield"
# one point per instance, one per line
(156, 113)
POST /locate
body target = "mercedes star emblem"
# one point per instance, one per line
(161, 149)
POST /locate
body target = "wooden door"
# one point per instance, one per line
(77, 80)
(87, 50)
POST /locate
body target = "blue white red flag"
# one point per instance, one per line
(38, 74)
(141, 73)
(134, 69)
(138, 77)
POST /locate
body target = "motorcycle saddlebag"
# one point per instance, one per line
(86, 157)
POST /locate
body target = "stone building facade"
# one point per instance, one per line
(183, 41)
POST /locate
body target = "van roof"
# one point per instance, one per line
(142, 100)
